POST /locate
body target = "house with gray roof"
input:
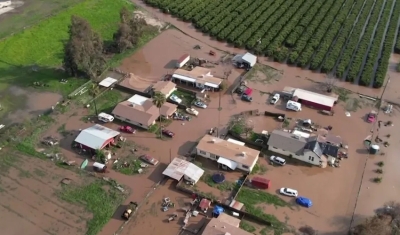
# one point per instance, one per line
(308, 150)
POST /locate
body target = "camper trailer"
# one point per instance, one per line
(293, 105)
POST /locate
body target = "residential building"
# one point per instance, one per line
(179, 168)
(229, 154)
(198, 77)
(96, 137)
(140, 111)
(309, 149)
(312, 99)
(164, 87)
(224, 225)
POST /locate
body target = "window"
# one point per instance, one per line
(309, 158)
(245, 167)
(312, 159)
(202, 152)
(217, 157)
(127, 120)
(117, 116)
(141, 124)
(274, 147)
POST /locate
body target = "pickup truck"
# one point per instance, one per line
(275, 99)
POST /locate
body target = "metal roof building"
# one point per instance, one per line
(96, 137)
(313, 99)
(179, 168)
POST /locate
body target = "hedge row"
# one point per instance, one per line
(301, 43)
(275, 28)
(351, 45)
(316, 38)
(368, 72)
(280, 53)
(223, 34)
(303, 24)
(326, 39)
(386, 51)
(334, 53)
(358, 59)
(245, 30)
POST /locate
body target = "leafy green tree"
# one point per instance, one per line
(158, 100)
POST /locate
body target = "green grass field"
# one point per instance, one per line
(42, 46)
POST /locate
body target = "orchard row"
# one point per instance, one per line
(350, 38)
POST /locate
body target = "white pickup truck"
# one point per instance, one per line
(275, 99)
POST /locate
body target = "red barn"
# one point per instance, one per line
(315, 100)
(96, 137)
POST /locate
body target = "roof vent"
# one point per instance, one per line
(243, 154)
(213, 140)
(132, 104)
(296, 137)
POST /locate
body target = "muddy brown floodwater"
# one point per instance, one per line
(26, 103)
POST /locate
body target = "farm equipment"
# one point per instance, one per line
(166, 204)
(129, 210)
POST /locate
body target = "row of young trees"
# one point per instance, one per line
(85, 51)
(358, 59)
(367, 74)
(341, 39)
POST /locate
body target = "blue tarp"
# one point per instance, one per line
(218, 210)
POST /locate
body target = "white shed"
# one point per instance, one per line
(250, 59)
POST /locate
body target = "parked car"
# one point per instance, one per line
(192, 111)
(104, 117)
(149, 159)
(289, 192)
(168, 133)
(200, 104)
(293, 105)
(275, 99)
(175, 98)
(247, 98)
(240, 89)
(277, 160)
(127, 129)
(371, 118)
(303, 201)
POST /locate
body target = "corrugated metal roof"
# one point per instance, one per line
(95, 136)
(179, 167)
(287, 141)
(315, 97)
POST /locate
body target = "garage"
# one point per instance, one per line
(314, 100)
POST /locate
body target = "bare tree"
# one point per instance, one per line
(329, 83)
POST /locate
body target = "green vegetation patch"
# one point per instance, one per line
(225, 186)
(99, 197)
(187, 98)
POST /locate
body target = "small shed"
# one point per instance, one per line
(182, 60)
(107, 82)
(260, 182)
(96, 137)
(204, 205)
(249, 59)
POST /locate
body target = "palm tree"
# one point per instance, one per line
(94, 91)
(158, 100)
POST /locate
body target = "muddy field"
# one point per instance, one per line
(29, 201)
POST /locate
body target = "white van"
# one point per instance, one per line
(277, 160)
(293, 105)
(104, 117)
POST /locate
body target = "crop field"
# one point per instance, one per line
(352, 39)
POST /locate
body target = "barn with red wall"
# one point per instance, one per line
(315, 100)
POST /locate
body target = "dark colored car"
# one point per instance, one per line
(247, 98)
(168, 133)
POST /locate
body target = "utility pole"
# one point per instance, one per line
(170, 155)
(219, 113)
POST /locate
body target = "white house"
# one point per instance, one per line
(198, 77)
(179, 168)
(229, 154)
(308, 150)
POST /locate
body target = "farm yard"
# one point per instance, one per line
(351, 39)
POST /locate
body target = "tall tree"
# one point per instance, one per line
(158, 100)
(83, 52)
(129, 31)
(94, 91)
